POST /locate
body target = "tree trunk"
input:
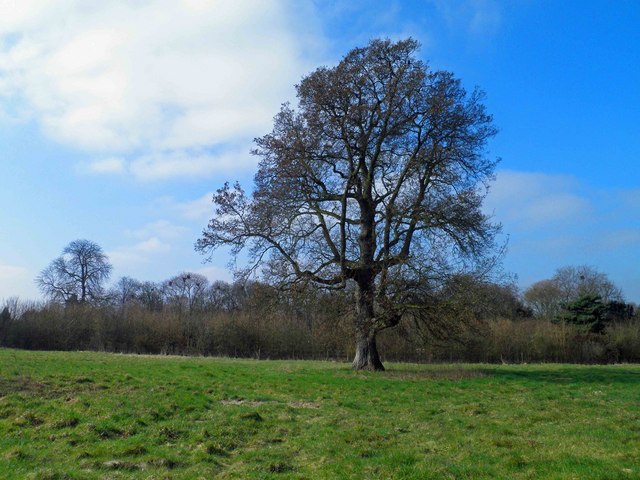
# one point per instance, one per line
(367, 357)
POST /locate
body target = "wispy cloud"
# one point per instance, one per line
(200, 209)
(532, 200)
(15, 280)
(140, 252)
(214, 273)
(110, 165)
(160, 228)
(149, 242)
(559, 220)
(176, 164)
(619, 239)
(162, 166)
(478, 18)
(485, 17)
(631, 198)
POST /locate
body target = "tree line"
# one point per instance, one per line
(578, 315)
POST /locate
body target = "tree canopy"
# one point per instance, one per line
(376, 179)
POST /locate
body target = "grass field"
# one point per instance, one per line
(99, 416)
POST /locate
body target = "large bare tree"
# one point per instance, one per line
(375, 178)
(77, 275)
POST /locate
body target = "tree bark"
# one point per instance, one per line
(367, 357)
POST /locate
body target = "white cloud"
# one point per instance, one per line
(619, 239)
(631, 198)
(174, 164)
(198, 209)
(153, 76)
(111, 165)
(485, 17)
(11, 272)
(140, 252)
(214, 273)
(478, 18)
(158, 229)
(556, 207)
(531, 200)
(151, 240)
(163, 166)
(556, 220)
(16, 281)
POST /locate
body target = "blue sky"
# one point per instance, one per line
(118, 120)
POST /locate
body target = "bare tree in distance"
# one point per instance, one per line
(77, 275)
(186, 291)
(569, 283)
(150, 295)
(225, 296)
(544, 298)
(375, 180)
(125, 291)
(577, 281)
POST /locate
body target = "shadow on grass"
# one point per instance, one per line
(569, 374)
(552, 373)
(451, 373)
(416, 372)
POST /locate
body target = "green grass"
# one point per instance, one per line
(102, 416)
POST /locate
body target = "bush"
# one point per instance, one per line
(623, 342)
(308, 327)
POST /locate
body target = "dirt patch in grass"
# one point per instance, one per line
(258, 403)
(120, 465)
(67, 389)
(66, 423)
(23, 384)
(105, 432)
(170, 433)
(28, 420)
(166, 463)
(304, 404)
(17, 454)
(246, 403)
(280, 467)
